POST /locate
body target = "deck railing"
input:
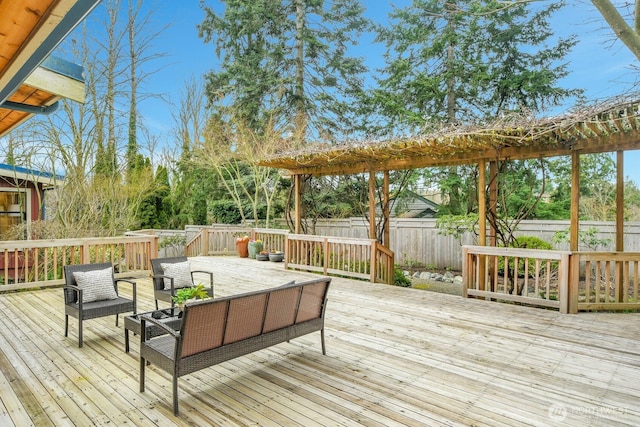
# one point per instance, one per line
(347, 257)
(567, 281)
(215, 240)
(273, 240)
(39, 263)
(221, 240)
(605, 281)
(357, 258)
(527, 276)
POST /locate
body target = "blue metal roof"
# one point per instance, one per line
(27, 172)
(65, 68)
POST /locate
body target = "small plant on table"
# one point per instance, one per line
(193, 292)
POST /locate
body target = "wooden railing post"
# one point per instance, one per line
(204, 248)
(372, 261)
(564, 288)
(86, 252)
(325, 250)
(465, 271)
(286, 250)
(392, 266)
(153, 252)
(574, 283)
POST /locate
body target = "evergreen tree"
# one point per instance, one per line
(468, 62)
(287, 59)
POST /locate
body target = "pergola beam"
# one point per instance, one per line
(615, 127)
(362, 165)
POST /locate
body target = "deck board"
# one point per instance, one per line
(395, 357)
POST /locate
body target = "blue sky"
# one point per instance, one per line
(602, 68)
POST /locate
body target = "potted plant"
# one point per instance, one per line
(189, 293)
(255, 247)
(263, 256)
(276, 256)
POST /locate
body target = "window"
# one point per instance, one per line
(12, 209)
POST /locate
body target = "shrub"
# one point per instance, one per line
(588, 238)
(524, 242)
(458, 225)
(531, 242)
(225, 212)
(399, 279)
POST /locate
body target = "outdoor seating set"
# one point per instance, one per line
(203, 333)
(91, 290)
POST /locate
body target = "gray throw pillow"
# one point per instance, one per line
(96, 285)
(181, 273)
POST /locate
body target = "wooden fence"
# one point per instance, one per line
(39, 263)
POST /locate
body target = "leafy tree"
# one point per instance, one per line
(521, 186)
(192, 184)
(597, 175)
(288, 59)
(156, 207)
(85, 140)
(458, 186)
(230, 152)
(330, 197)
(139, 54)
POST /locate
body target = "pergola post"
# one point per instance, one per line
(493, 200)
(386, 211)
(575, 201)
(482, 203)
(620, 221)
(620, 201)
(482, 225)
(372, 205)
(493, 203)
(298, 203)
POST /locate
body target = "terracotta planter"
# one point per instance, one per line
(242, 246)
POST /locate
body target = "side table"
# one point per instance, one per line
(168, 316)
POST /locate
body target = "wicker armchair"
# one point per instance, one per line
(165, 284)
(88, 294)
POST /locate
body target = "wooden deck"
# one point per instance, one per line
(395, 356)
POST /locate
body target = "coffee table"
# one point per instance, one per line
(168, 316)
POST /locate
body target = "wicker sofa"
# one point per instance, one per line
(221, 329)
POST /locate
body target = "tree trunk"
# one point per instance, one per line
(301, 122)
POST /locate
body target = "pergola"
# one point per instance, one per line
(611, 126)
